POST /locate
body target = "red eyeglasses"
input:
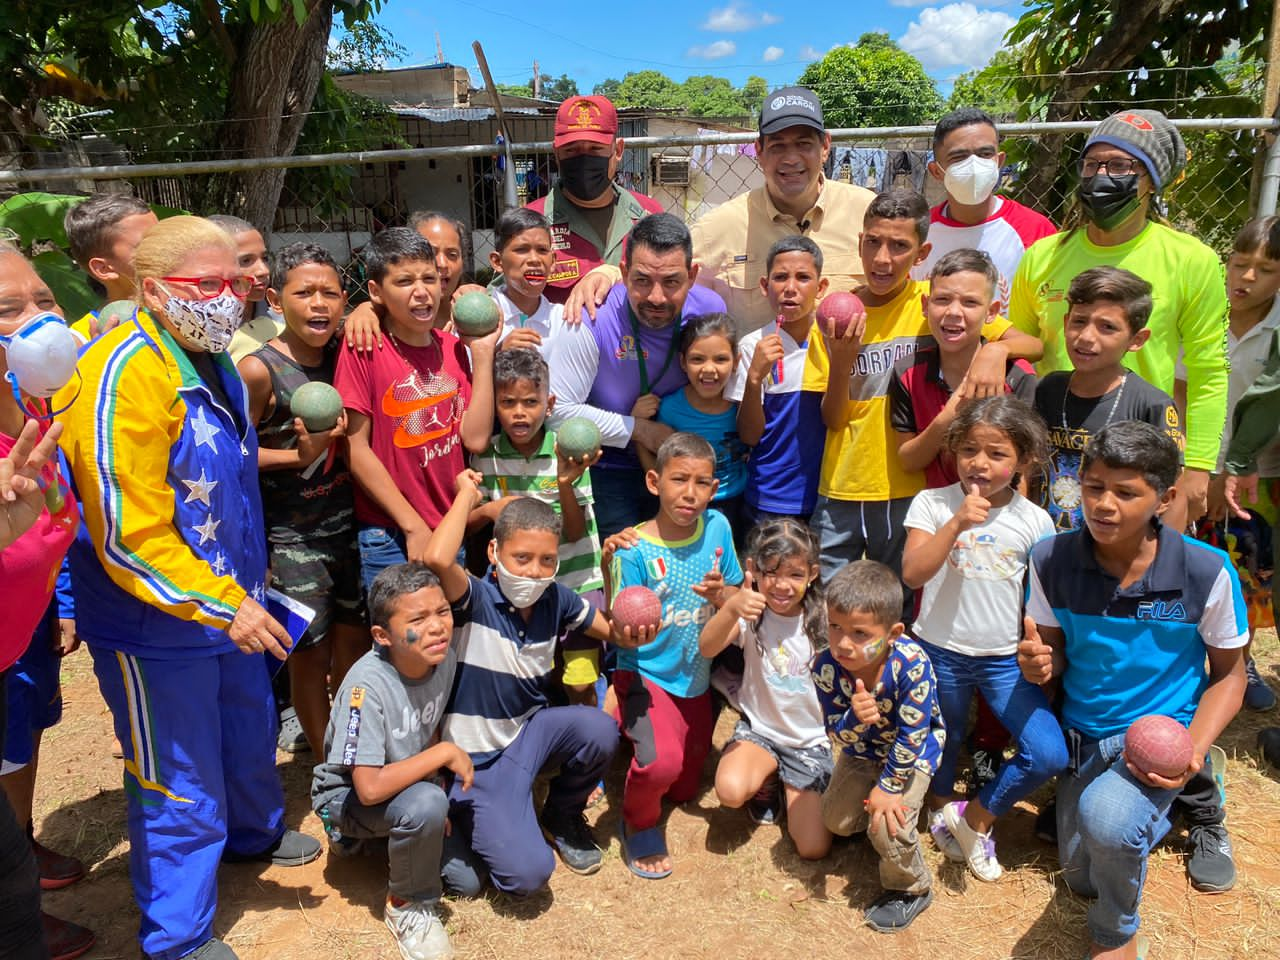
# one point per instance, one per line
(211, 287)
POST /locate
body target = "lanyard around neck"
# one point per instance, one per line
(645, 385)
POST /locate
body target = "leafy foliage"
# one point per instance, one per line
(364, 47)
(874, 83)
(558, 89)
(1188, 58)
(698, 96)
(989, 88)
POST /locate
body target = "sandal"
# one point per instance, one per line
(640, 845)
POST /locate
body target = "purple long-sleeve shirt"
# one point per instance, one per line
(595, 372)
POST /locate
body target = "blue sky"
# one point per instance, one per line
(772, 38)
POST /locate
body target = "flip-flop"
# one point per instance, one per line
(641, 844)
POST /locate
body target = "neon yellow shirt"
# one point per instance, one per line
(1190, 317)
(860, 460)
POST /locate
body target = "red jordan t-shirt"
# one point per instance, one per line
(414, 398)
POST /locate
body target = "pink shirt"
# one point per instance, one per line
(414, 398)
(29, 569)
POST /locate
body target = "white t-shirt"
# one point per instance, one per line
(973, 604)
(546, 321)
(1004, 237)
(777, 695)
(1248, 355)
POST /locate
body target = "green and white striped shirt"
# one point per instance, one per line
(507, 472)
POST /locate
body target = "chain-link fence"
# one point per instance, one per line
(341, 200)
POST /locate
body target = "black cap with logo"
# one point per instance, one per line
(790, 107)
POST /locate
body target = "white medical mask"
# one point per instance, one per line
(42, 355)
(971, 180)
(523, 592)
(206, 323)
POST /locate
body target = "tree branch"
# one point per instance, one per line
(214, 15)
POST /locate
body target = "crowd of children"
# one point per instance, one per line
(920, 520)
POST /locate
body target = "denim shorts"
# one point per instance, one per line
(380, 547)
(801, 768)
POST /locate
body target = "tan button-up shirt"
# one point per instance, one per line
(731, 244)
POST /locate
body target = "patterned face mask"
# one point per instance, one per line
(206, 323)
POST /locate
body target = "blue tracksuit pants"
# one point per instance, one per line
(199, 737)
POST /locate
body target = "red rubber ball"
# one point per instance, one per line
(637, 607)
(1159, 745)
(839, 309)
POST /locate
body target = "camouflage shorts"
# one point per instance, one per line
(323, 573)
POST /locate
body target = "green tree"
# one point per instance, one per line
(647, 88)
(233, 78)
(753, 93)
(1079, 60)
(558, 89)
(708, 96)
(698, 96)
(874, 83)
(989, 88)
(365, 47)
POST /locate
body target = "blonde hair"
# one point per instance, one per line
(171, 241)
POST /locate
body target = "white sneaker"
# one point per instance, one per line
(418, 931)
(943, 838)
(978, 849)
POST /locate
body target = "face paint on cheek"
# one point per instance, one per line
(876, 647)
(411, 637)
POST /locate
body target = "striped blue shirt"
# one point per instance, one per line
(505, 665)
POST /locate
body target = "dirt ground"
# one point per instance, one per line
(738, 891)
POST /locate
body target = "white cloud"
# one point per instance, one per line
(810, 52)
(713, 51)
(771, 54)
(736, 18)
(957, 35)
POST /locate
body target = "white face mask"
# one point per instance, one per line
(523, 592)
(42, 355)
(206, 323)
(971, 180)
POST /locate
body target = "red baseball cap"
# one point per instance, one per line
(586, 118)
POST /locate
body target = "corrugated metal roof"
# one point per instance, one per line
(467, 114)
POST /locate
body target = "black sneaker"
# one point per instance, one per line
(1047, 822)
(766, 806)
(1257, 695)
(293, 849)
(211, 949)
(1269, 745)
(573, 840)
(896, 909)
(984, 768)
(1210, 868)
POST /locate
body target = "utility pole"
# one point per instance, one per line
(440, 49)
(537, 77)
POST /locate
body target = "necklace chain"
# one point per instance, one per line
(1115, 403)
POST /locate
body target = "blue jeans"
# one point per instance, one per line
(495, 828)
(1108, 824)
(1023, 710)
(380, 547)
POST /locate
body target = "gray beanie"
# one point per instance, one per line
(1149, 136)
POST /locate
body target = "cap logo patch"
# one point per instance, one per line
(1137, 122)
(792, 101)
(585, 115)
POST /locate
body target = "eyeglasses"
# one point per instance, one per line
(211, 287)
(1117, 166)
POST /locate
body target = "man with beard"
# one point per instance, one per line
(615, 371)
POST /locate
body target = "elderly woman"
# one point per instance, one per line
(172, 563)
(37, 354)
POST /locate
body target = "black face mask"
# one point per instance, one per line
(1109, 201)
(585, 176)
